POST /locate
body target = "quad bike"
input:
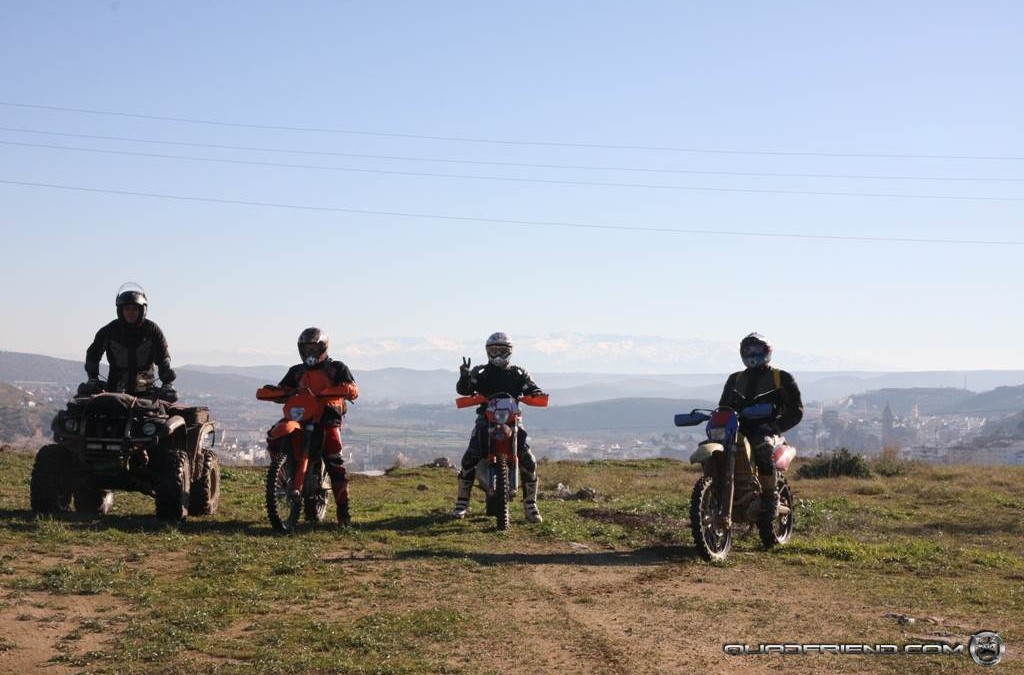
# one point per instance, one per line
(297, 480)
(498, 472)
(728, 491)
(110, 441)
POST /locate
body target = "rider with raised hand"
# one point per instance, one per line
(133, 345)
(318, 372)
(760, 383)
(496, 376)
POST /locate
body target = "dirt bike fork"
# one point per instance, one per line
(729, 484)
(302, 458)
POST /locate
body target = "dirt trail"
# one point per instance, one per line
(45, 633)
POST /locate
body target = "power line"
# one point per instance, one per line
(504, 221)
(465, 139)
(543, 181)
(585, 167)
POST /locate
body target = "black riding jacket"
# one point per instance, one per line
(757, 385)
(132, 351)
(489, 380)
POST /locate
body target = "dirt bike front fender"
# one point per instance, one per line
(284, 428)
(705, 451)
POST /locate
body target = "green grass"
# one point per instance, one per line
(396, 593)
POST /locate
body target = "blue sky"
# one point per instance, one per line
(829, 79)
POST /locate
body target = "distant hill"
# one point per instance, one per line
(405, 385)
(930, 401)
(999, 400)
(20, 416)
(1011, 427)
(626, 414)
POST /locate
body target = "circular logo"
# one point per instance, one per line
(987, 648)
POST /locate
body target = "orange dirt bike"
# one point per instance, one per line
(498, 472)
(728, 491)
(297, 481)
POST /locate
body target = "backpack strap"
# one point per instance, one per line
(777, 378)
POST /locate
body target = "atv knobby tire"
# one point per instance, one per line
(50, 488)
(172, 486)
(204, 495)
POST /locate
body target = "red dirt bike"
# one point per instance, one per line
(297, 481)
(498, 472)
(728, 491)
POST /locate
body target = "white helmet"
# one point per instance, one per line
(499, 350)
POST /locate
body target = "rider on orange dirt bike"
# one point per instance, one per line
(318, 372)
(498, 375)
(760, 383)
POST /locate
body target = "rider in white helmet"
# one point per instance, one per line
(498, 375)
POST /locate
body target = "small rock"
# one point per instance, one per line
(586, 494)
(422, 488)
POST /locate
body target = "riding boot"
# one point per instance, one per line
(344, 519)
(340, 489)
(530, 501)
(769, 495)
(462, 499)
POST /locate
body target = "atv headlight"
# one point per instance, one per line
(149, 429)
(70, 424)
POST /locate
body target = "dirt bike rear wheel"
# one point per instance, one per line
(775, 526)
(713, 541)
(283, 510)
(501, 494)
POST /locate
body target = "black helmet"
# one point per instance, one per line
(131, 294)
(499, 350)
(313, 344)
(755, 351)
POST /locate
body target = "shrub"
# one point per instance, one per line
(839, 463)
(888, 465)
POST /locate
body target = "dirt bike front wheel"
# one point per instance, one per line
(284, 505)
(501, 494)
(710, 534)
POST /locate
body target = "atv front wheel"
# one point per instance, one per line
(172, 486)
(50, 489)
(204, 496)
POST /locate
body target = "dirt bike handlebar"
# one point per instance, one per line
(539, 400)
(275, 394)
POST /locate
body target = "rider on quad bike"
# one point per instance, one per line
(133, 344)
(318, 372)
(496, 376)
